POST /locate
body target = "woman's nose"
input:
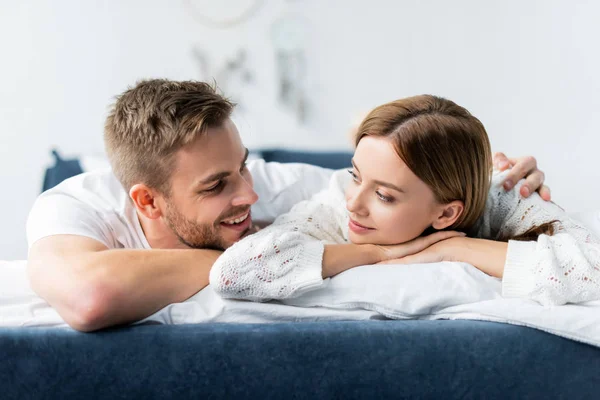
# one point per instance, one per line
(354, 203)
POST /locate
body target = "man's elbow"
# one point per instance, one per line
(90, 312)
(84, 306)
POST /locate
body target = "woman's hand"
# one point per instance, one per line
(341, 257)
(444, 250)
(488, 256)
(414, 247)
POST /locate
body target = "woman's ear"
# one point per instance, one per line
(447, 214)
(144, 200)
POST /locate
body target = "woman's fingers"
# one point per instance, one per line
(442, 235)
(424, 242)
(414, 246)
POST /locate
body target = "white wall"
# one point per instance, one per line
(528, 69)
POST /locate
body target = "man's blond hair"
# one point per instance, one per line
(149, 122)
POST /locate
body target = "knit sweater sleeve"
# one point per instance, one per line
(554, 270)
(284, 259)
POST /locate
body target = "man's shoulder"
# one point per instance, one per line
(99, 189)
(274, 177)
(280, 186)
(260, 169)
(93, 205)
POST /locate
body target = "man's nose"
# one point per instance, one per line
(245, 196)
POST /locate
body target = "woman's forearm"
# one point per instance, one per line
(488, 256)
(338, 258)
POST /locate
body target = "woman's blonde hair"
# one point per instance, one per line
(443, 145)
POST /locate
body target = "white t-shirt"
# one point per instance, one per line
(95, 205)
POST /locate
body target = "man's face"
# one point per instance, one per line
(211, 191)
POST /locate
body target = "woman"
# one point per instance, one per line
(420, 181)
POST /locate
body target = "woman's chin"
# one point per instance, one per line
(362, 239)
(374, 239)
(357, 239)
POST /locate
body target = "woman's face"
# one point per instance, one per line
(387, 203)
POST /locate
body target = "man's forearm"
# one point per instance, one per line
(94, 290)
(141, 282)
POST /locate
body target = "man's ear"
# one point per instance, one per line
(144, 200)
(447, 214)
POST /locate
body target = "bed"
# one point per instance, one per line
(345, 360)
(372, 358)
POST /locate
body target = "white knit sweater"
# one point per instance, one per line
(284, 259)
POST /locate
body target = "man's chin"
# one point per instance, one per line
(231, 239)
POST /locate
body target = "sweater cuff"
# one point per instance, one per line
(309, 271)
(518, 279)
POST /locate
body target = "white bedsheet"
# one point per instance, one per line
(19, 305)
(430, 291)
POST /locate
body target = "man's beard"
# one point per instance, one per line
(193, 234)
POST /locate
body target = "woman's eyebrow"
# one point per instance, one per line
(390, 185)
(382, 183)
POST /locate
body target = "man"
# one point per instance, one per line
(112, 247)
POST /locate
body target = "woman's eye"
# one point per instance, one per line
(383, 198)
(354, 176)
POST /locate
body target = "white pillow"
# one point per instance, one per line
(404, 291)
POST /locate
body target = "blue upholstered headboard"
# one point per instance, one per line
(66, 168)
(61, 170)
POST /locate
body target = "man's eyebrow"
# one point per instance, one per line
(214, 177)
(223, 174)
(381, 183)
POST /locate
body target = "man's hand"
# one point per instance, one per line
(522, 167)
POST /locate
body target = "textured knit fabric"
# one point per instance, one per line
(285, 259)
(554, 270)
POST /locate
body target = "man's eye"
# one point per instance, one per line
(244, 167)
(214, 188)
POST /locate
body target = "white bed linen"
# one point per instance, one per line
(19, 305)
(430, 291)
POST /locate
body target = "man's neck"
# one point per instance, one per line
(158, 235)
